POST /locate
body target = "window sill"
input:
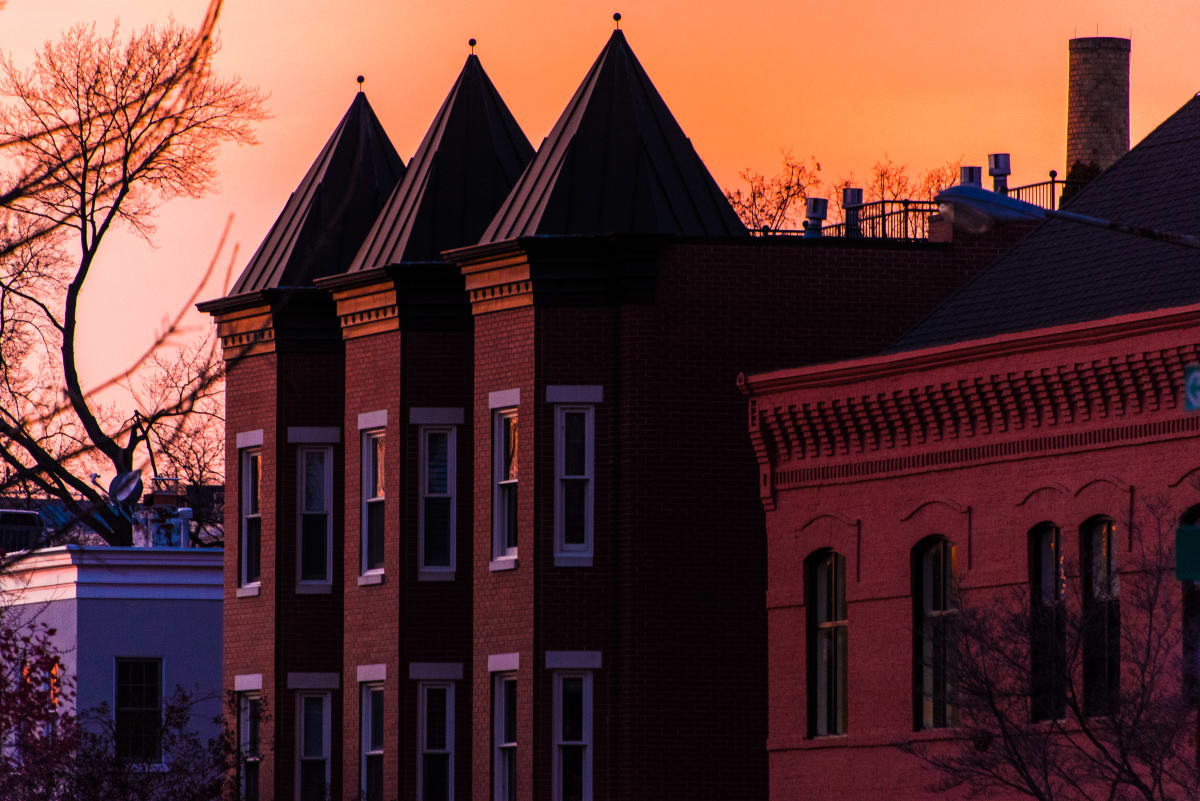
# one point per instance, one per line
(323, 588)
(503, 563)
(572, 560)
(372, 577)
(435, 575)
(249, 591)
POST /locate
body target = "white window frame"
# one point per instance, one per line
(499, 744)
(586, 741)
(325, 734)
(574, 555)
(422, 729)
(304, 585)
(244, 457)
(244, 752)
(367, 440)
(503, 556)
(365, 722)
(437, 572)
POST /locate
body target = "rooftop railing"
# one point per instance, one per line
(909, 220)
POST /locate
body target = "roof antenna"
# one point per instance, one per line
(471, 42)
(360, 82)
(617, 19)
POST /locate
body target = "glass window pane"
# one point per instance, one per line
(312, 547)
(574, 511)
(575, 444)
(822, 590)
(839, 587)
(572, 708)
(375, 699)
(435, 776)
(377, 467)
(374, 778)
(253, 549)
(312, 780)
(510, 710)
(437, 532)
(250, 781)
(510, 774)
(314, 728)
(375, 522)
(572, 772)
(253, 481)
(435, 718)
(509, 470)
(252, 716)
(314, 481)
(509, 497)
(438, 466)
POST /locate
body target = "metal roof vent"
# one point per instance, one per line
(852, 198)
(816, 209)
(999, 169)
(970, 176)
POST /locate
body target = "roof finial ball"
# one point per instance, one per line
(471, 42)
(617, 19)
(360, 82)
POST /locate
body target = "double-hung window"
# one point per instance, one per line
(572, 736)
(372, 501)
(504, 737)
(435, 738)
(249, 714)
(436, 509)
(316, 517)
(138, 710)
(574, 439)
(936, 617)
(312, 753)
(504, 470)
(828, 631)
(1047, 625)
(251, 550)
(1101, 617)
(372, 742)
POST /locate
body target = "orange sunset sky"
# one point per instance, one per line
(847, 82)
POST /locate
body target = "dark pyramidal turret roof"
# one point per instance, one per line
(324, 221)
(615, 162)
(465, 167)
(1065, 272)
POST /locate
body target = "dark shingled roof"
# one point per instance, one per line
(324, 221)
(1065, 272)
(615, 162)
(466, 164)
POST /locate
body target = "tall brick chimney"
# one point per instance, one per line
(1097, 104)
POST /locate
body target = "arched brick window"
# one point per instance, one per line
(1047, 624)
(1101, 616)
(825, 577)
(935, 618)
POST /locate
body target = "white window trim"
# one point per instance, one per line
(504, 663)
(504, 398)
(574, 555)
(244, 455)
(371, 673)
(366, 445)
(503, 557)
(586, 675)
(247, 682)
(574, 660)
(314, 681)
(364, 733)
(436, 415)
(325, 734)
(437, 572)
(422, 700)
(498, 742)
(314, 586)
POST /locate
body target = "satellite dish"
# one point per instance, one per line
(125, 488)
